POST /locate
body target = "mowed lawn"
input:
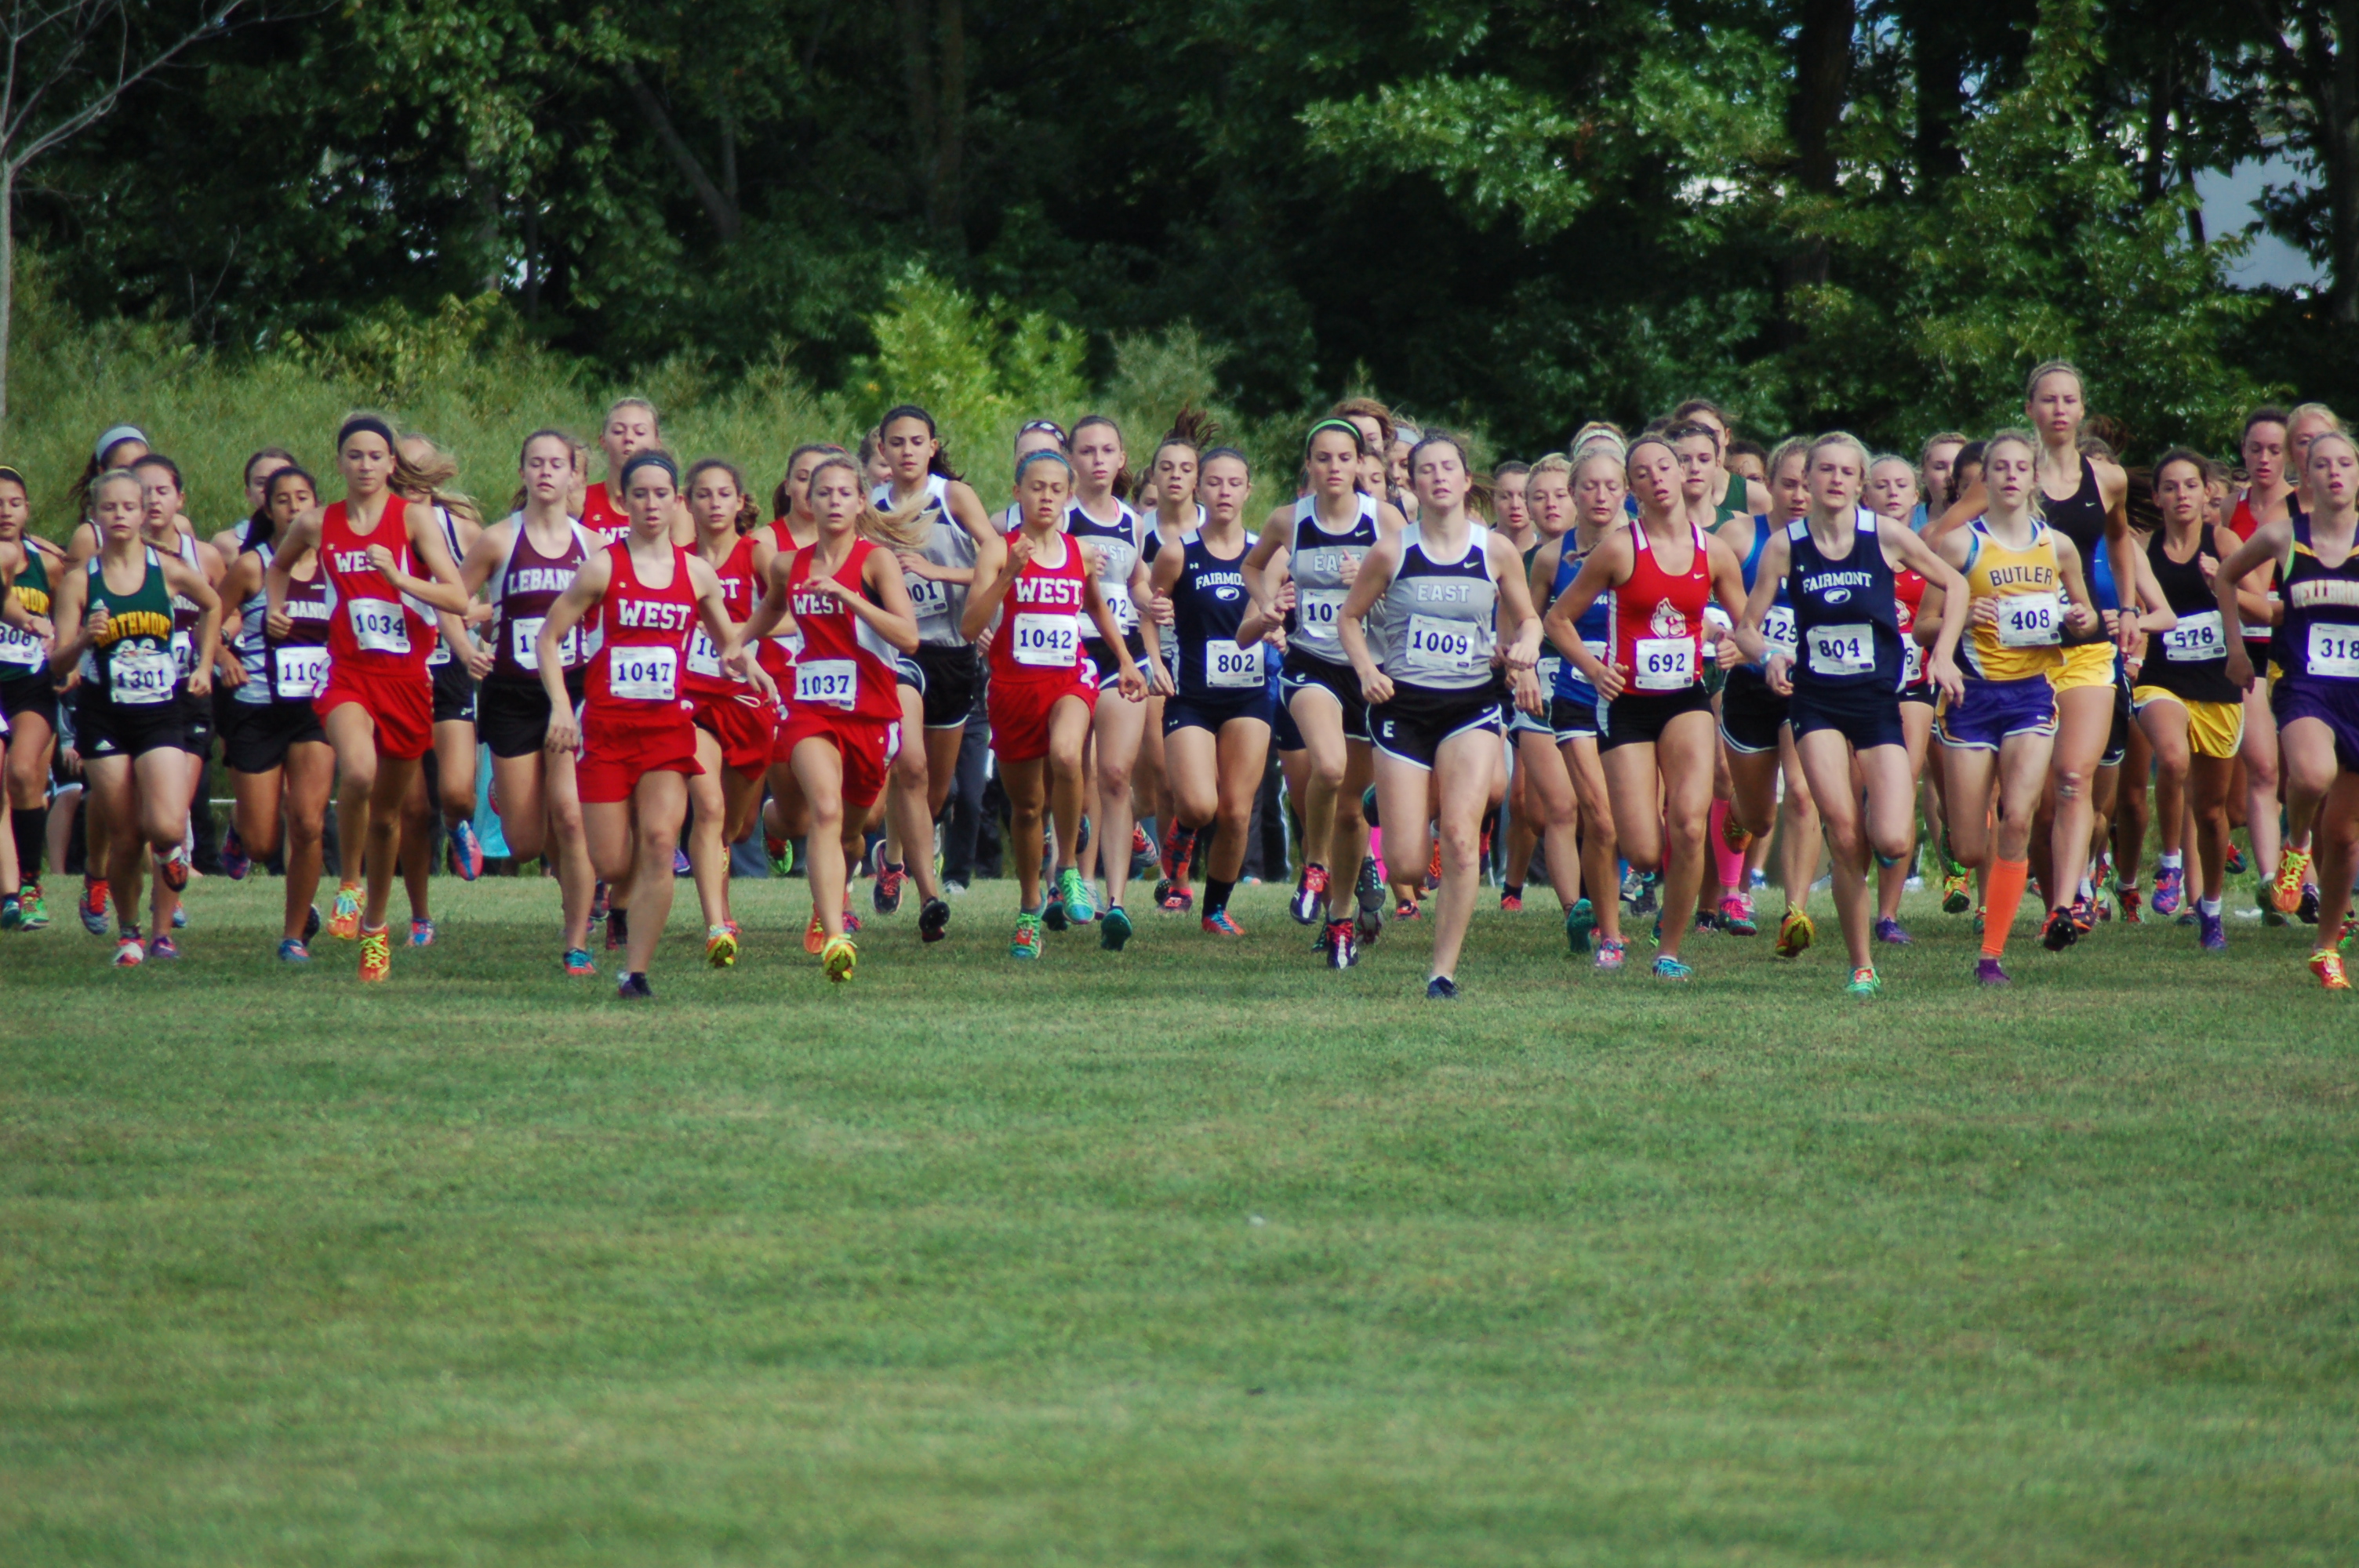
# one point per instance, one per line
(1196, 1254)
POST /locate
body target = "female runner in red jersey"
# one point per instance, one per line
(635, 735)
(843, 720)
(735, 726)
(787, 818)
(631, 428)
(1043, 686)
(1655, 730)
(388, 570)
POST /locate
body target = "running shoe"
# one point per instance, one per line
(292, 951)
(577, 962)
(2213, 933)
(1956, 898)
(421, 930)
(851, 921)
(838, 959)
(129, 951)
(634, 987)
(92, 906)
(1441, 987)
(2237, 862)
(1309, 895)
(2327, 965)
(345, 923)
(720, 947)
(1052, 912)
(2169, 888)
(1611, 954)
(681, 866)
(600, 905)
(33, 908)
(1736, 914)
(234, 861)
(467, 851)
(814, 935)
(1142, 847)
(2350, 930)
(1073, 896)
(1406, 910)
(1733, 834)
(2084, 912)
(1707, 922)
(618, 929)
(887, 894)
(174, 868)
(1433, 868)
(2060, 932)
(933, 921)
(376, 954)
(782, 855)
(1890, 930)
(1511, 904)
(310, 923)
(2293, 870)
(163, 947)
(1025, 943)
(1647, 903)
(1669, 968)
(1988, 973)
(2127, 897)
(1981, 916)
(180, 918)
(1369, 893)
(1341, 945)
(2270, 915)
(1219, 925)
(1578, 921)
(1795, 932)
(1864, 983)
(12, 913)
(1177, 898)
(2307, 912)
(1113, 931)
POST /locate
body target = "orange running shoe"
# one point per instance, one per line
(814, 935)
(376, 954)
(2293, 870)
(2327, 965)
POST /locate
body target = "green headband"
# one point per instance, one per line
(1345, 425)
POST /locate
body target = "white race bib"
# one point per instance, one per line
(1912, 662)
(2030, 620)
(1778, 630)
(643, 675)
(834, 682)
(379, 625)
(2333, 650)
(2196, 639)
(1316, 612)
(703, 658)
(929, 599)
(1118, 604)
(19, 647)
(441, 654)
(1048, 641)
(1665, 664)
(300, 672)
(1228, 667)
(184, 653)
(1545, 672)
(524, 643)
(1442, 647)
(1840, 651)
(137, 676)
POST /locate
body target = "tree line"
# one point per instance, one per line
(1872, 213)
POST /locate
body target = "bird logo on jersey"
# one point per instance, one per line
(1667, 621)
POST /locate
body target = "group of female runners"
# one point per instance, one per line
(1656, 653)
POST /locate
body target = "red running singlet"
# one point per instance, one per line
(643, 641)
(740, 590)
(373, 630)
(1040, 635)
(846, 668)
(1659, 617)
(606, 526)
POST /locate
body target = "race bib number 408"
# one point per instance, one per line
(2030, 620)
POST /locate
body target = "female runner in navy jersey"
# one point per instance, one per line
(522, 564)
(1216, 701)
(1422, 626)
(1844, 670)
(2314, 666)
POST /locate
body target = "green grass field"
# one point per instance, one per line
(1197, 1255)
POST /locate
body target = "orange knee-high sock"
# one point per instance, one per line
(2006, 879)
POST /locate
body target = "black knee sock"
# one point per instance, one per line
(1216, 894)
(31, 830)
